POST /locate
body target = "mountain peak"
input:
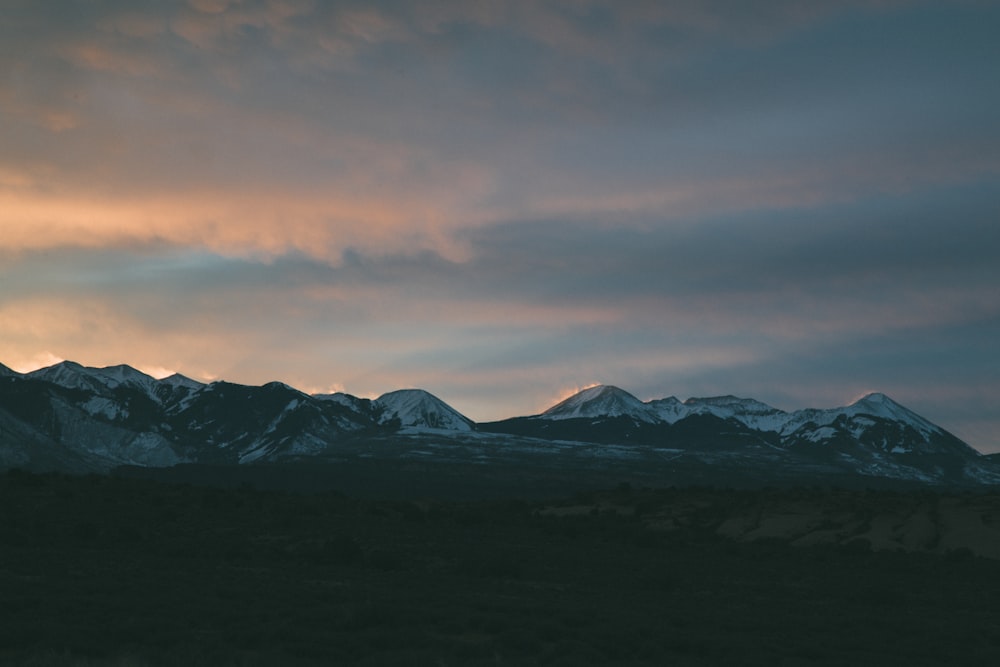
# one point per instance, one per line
(598, 391)
(62, 366)
(101, 381)
(602, 400)
(876, 398)
(416, 408)
(65, 373)
(178, 380)
(877, 404)
(280, 386)
(122, 374)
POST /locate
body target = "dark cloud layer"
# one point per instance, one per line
(503, 201)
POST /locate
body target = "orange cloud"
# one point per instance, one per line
(97, 332)
(31, 362)
(13, 178)
(235, 223)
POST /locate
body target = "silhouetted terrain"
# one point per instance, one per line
(77, 419)
(112, 571)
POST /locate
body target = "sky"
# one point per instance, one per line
(504, 202)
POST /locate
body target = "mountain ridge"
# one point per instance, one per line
(79, 418)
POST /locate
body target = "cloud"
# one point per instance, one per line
(512, 112)
(34, 362)
(268, 221)
(211, 6)
(499, 200)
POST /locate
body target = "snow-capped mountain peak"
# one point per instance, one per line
(877, 404)
(75, 376)
(602, 401)
(65, 374)
(416, 408)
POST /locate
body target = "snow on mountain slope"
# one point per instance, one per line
(123, 374)
(72, 375)
(879, 405)
(353, 411)
(875, 422)
(859, 413)
(421, 409)
(875, 425)
(669, 409)
(347, 400)
(608, 401)
(76, 418)
(602, 401)
(178, 380)
(752, 413)
(763, 417)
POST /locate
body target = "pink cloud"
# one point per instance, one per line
(211, 6)
(244, 223)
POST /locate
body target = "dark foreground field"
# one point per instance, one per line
(112, 571)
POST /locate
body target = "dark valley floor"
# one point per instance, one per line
(101, 570)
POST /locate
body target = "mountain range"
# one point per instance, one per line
(73, 418)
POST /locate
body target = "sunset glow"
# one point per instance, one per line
(504, 203)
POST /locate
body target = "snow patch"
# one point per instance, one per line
(98, 406)
(822, 433)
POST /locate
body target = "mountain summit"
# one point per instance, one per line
(416, 408)
(601, 401)
(878, 404)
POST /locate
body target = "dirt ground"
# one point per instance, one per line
(938, 524)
